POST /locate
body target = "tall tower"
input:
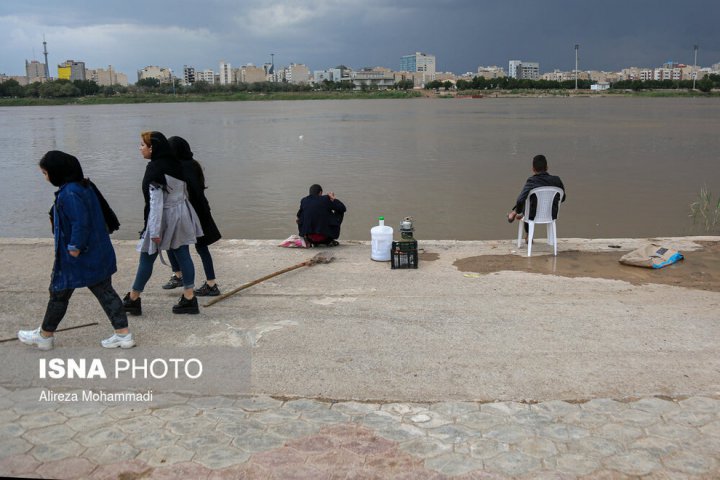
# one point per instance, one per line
(576, 64)
(45, 52)
(694, 75)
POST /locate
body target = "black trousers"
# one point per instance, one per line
(103, 291)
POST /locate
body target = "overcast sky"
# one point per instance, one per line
(462, 34)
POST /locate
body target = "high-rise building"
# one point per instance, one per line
(418, 62)
(524, 70)
(297, 74)
(188, 75)
(513, 67)
(226, 74)
(207, 76)
(71, 70)
(35, 71)
(408, 63)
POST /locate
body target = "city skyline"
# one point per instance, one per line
(461, 34)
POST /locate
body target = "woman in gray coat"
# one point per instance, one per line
(170, 223)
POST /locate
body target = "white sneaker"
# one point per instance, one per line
(33, 337)
(122, 341)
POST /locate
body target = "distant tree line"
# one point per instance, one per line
(706, 84)
(80, 88)
(509, 83)
(56, 89)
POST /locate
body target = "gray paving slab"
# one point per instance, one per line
(453, 464)
(167, 455)
(423, 447)
(294, 429)
(258, 441)
(14, 446)
(634, 462)
(513, 463)
(88, 422)
(538, 447)
(115, 452)
(48, 452)
(576, 464)
(101, 436)
(222, 457)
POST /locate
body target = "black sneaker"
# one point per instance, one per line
(133, 307)
(186, 306)
(207, 291)
(174, 282)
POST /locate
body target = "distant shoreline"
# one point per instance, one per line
(185, 98)
(386, 94)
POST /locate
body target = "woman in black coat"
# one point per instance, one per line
(195, 179)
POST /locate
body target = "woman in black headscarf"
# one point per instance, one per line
(84, 255)
(170, 222)
(195, 180)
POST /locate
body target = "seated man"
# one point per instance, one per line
(540, 178)
(319, 217)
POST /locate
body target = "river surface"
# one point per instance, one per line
(631, 166)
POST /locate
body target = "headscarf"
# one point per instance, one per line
(195, 180)
(162, 162)
(61, 168)
(181, 149)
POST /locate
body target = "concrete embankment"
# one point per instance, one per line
(355, 329)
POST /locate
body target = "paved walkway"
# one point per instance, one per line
(357, 371)
(262, 437)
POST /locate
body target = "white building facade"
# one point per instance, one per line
(226, 73)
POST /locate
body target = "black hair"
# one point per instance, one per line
(315, 189)
(540, 163)
(61, 168)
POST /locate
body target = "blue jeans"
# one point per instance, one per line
(145, 268)
(205, 256)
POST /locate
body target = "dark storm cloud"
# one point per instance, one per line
(323, 33)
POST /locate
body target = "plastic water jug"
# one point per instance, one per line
(381, 241)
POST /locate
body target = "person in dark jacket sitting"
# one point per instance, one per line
(540, 178)
(320, 217)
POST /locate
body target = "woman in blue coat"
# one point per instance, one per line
(84, 255)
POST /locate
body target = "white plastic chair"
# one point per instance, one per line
(543, 214)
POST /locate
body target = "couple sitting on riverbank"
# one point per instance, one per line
(320, 217)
